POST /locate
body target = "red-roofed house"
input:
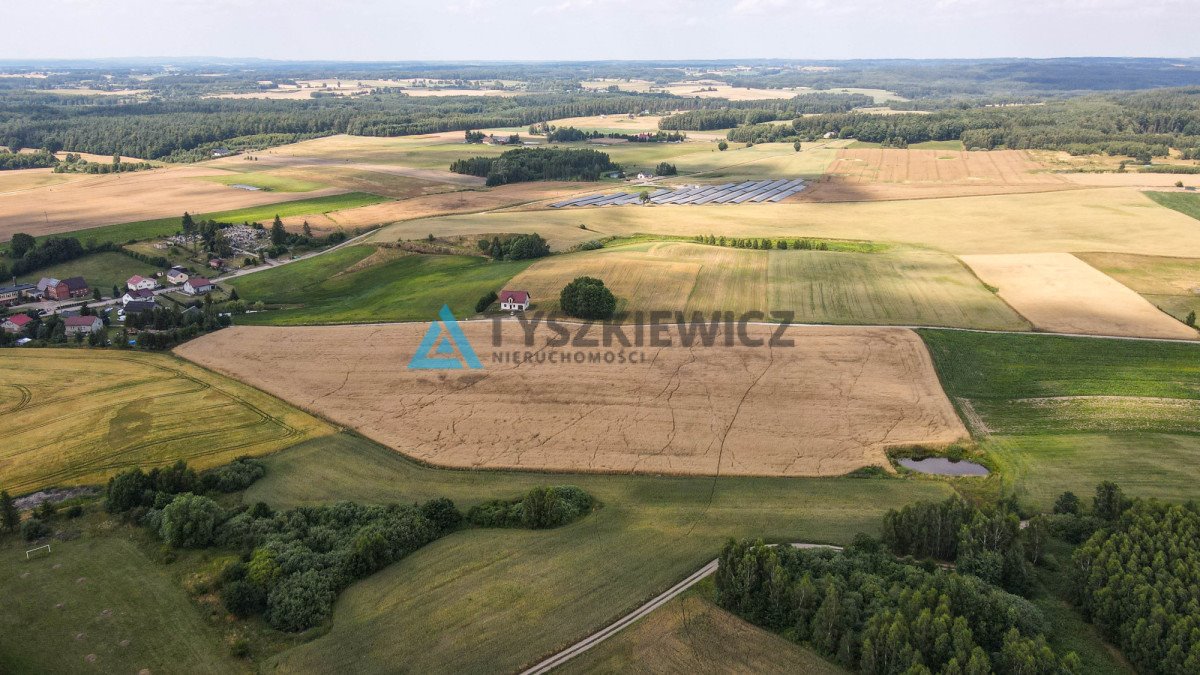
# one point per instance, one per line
(512, 301)
(15, 323)
(197, 286)
(140, 283)
(82, 324)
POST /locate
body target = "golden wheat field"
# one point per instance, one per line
(830, 403)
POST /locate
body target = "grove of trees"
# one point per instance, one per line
(587, 298)
(529, 164)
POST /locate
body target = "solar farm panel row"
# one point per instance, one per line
(751, 191)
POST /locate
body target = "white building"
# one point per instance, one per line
(514, 301)
(177, 275)
(197, 286)
(140, 283)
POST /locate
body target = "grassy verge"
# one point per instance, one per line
(489, 601)
(345, 286)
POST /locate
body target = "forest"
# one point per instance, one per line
(528, 164)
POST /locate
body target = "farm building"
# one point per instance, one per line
(15, 323)
(83, 324)
(197, 286)
(131, 296)
(76, 287)
(139, 283)
(177, 275)
(513, 301)
(11, 295)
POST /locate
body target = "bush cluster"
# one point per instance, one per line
(540, 508)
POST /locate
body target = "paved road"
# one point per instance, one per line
(632, 617)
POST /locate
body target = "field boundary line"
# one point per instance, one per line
(624, 622)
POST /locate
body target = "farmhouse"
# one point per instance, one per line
(15, 323)
(76, 287)
(177, 275)
(142, 295)
(11, 295)
(83, 324)
(138, 283)
(197, 286)
(514, 301)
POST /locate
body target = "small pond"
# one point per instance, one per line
(944, 467)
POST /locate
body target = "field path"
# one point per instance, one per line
(632, 617)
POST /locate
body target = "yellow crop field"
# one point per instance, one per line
(901, 286)
(74, 416)
(1109, 219)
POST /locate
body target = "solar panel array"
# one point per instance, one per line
(751, 191)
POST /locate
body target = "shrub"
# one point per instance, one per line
(591, 245)
(300, 601)
(587, 298)
(127, 490)
(1067, 502)
(190, 521)
(243, 599)
(442, 514)
(34, 529)
(485, 302)
(539, 508)
(237, 475)
(74, 511)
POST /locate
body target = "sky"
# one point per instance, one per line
(397, 30)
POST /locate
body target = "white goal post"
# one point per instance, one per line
(34, 550)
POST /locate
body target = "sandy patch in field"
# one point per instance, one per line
(1059, 292)
(123, 198)
(828, 405)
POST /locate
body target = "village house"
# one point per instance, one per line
(83, 324)
(131, 296)
(138, 307)
(11, 295)
(177, 275)
(139, 283)
(15, 323)
(514, 301)
(197, 286)
(216, 263)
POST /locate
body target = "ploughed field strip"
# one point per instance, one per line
(829, 404)
(747, 192)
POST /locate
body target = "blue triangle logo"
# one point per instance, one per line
(446, 340)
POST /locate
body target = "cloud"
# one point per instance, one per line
(758, 6)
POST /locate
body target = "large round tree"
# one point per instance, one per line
(587, 298)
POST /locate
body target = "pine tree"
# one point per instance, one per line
(278, 234)
(10, 517)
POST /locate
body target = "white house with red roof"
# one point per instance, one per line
(514, 301)
(83, 324)
(197, 286)
(140, 294)
(15, 323)
(140, 283)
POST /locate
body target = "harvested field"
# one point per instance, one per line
(466, 201)
(1171, 284)
(1061, 293)
(121, 198)
(28, 179)
(831, 403)
(74, 416)
(1074, 220)
(898, 286)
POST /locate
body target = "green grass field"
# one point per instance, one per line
(1030, 384)
(1187, 203)
(691, 635)
(78, 416)
(345, 287)
(97, 595)
(895, 285)
(267, 180)
(162, 227)
(494, 600)
(100, 270)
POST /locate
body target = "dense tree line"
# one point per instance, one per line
(26, 160)
(529, 164)
(571, 134)
(1138, 579)
(873, 614)
(164, 327)
(733, 115)
(538, 509)
(515, 247)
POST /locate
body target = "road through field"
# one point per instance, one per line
(632, 617)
